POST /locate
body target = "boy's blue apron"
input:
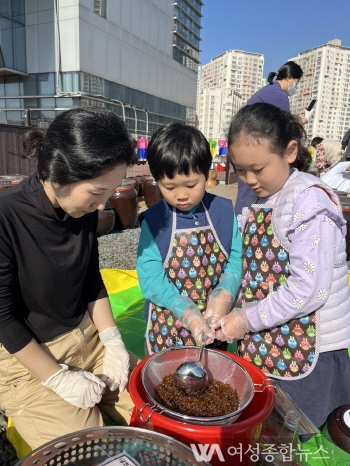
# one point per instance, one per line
(194, 265)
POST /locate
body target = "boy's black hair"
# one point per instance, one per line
(178, 148)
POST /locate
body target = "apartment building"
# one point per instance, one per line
(224, 85)
(138, 58)
(327, 79)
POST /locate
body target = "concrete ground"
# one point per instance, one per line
(225, 190)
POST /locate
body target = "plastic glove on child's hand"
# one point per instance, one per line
(194, 321)
(232, 327)
(218, 305)
(79, 388)
(116, 361)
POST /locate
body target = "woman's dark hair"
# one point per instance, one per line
(288, 70)
(178, 148)
(80, 144)
(316, 140)
(267, 122)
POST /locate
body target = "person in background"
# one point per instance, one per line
(310, 162)
(282, 85)
(63, 364)
(189, 255)
(328, 153)
(294, 322)
(338, 177)
(345, 144)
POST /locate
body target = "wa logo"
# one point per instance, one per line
(205, 452)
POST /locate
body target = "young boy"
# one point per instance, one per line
(189, 256)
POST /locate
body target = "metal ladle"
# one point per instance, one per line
(191, 375)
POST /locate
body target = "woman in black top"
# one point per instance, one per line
(61, 353)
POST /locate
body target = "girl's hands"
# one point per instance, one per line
(231, 327)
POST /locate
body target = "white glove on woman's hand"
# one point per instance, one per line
(194, 321)
(232, 327)
(116, 361)
(79, 388)
(308, 113)
(219, 304)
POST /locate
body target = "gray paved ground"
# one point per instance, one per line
(229, 191)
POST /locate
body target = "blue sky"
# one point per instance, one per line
(277, 29)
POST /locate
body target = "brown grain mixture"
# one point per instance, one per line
(217, 399)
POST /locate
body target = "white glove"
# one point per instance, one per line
(116, 361)
(308, 113)
(219, 304)
(194, 321)
(80, 388)
(232, 327)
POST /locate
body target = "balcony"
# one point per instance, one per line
(10, 72)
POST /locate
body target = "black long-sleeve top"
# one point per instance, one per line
(49, 266)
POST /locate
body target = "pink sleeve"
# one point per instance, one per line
(320, 157)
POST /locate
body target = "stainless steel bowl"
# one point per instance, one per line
(112, 445)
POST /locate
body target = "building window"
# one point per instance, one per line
(100, 8)
(186, 32)
(12, 37)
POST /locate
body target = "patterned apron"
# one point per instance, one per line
(194, 263)
(287, 351)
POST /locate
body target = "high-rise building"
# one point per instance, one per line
(224, 85)
(138, 58)
(215, 110)
(326, 78)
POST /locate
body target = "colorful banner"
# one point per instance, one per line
(212, 145)
(127, 305)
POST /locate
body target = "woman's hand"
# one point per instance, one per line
(79, 388)
(116, 361)
(308, 113)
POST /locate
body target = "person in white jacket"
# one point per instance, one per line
(338, 177)
(345, 144)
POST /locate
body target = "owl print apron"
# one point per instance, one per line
(286, 351)
(194, 263)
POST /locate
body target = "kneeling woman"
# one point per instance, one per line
(62, 360)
